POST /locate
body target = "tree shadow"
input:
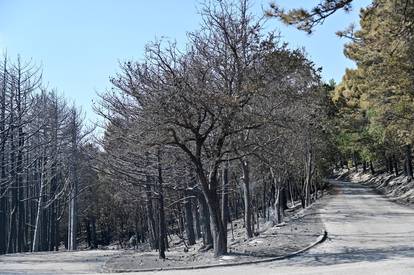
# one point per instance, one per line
(354, 255)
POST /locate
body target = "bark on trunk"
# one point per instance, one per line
(189, 222)
(205, 221)
(72, 226)
(308, 179)
(371, 167)
(408, 161)
(161, 219)
(196, 218)
(218, 230)
(225, 198)
(73, 206)
(150, 216)
(355, 161)
(209, 187)
(36, 234)
(246, 197)
(278, 211)
(3, 200)
(395, 162)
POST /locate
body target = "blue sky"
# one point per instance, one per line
(79, 43)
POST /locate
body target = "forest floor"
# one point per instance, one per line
(301, 228)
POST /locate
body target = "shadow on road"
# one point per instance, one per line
(352, 255)
(362, 226)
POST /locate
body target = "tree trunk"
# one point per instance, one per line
(292, 201)
(278, 211)
(395, 162)
(21, 227)
(3, 198)
(205, 221)
(371, 167)
(73, 205)
(11, 246)
(218, 230)
(308, 179)
(196, 218)
(189, 222)
(36, 235)
(88, 232)
(246, 197)
(408, 161)
(209, 187)
(94, 244)
(264, 199)
(355, 161)
(390, 165)
(150, 215)
(72, 226)
(225, 198)
(161, 219)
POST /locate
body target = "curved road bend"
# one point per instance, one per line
(367, 234)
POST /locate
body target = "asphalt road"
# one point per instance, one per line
(367, 234)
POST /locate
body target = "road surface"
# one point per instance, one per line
(367, 235)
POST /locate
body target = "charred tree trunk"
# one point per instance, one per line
(21, 228)
(87, 224)
(150, 215)
(408, 161)
(278, 211)
(92, 221)
(12, 245)
(161, 218)
(264, 199)
(209, 187)
(205, 221)
(196, 218)
(390, 165)
(3, 179)
(308, 178)
(149, 208)
(189, 222)
(355, 161)
(371, 167)
(216, 221)
(225, 198)
(73, 207)
(395, 164)
(36, 234)
(72, 225)
(246, 197)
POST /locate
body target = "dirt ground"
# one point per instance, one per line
(301, 228)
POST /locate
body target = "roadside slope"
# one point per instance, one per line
(397, 188)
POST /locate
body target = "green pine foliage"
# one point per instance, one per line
(375, 101)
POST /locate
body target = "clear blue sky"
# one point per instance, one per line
(80, 42)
